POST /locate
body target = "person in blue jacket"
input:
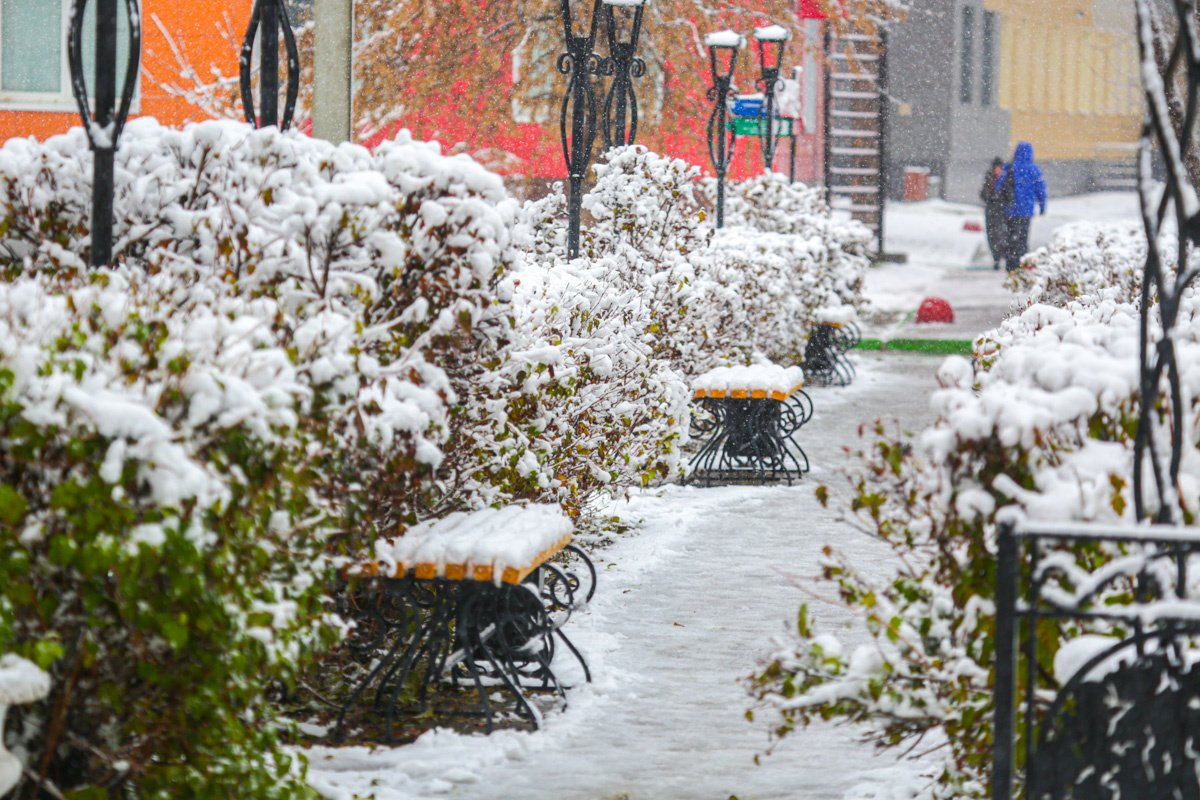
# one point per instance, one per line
(1023, 189)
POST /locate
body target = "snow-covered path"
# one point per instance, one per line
(686, 607)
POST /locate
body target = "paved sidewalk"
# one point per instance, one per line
(686, 607)
(948, 258)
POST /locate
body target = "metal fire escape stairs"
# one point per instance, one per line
(856, 126)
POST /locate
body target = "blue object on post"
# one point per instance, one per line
(748, 106)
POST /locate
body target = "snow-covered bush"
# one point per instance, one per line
(589, 392)
(1042, 425)
(586, 395)
(265, 376)
(774, 288)
(1084, 261)
(770, 203)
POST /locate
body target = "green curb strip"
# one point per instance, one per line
(933, 347)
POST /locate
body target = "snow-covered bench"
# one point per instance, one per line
(471, 600)
(835, 333)
(747, 418)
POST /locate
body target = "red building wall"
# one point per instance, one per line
(535, 151)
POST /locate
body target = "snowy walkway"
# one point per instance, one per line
(685, 608)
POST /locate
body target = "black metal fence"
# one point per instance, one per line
(1125, 721)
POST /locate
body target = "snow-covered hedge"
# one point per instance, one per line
(590, 393)
(770, 203)
(1042, 425)
(264, 376)
(1085, 260)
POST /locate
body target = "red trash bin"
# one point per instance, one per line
(916, 184)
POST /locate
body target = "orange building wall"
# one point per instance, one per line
(207, 35)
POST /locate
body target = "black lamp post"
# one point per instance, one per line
(620, 107)
(103, 130)
(269, 19)
(722, 57)
(771, 42)
(579, 106)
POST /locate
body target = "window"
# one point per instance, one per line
(966, 88)
(534, 78)
(987, 89)
(33, 52)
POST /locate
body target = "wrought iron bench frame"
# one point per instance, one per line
(825, 361)
(749, 437)
(487, 635)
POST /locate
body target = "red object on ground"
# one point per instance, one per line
(916, 184)
(973, 226)
(935, 309)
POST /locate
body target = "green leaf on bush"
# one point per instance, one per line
(46, 652)
(176, 633)
(12, 505)
(90, 793)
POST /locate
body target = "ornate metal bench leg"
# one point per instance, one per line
(339, 728)
(470, 640)
(753, 441)
(713, 425)
(497, 651)
(430, 643)
(578, 584)
(375, 618)
(559, 592)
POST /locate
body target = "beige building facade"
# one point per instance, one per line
(1069, 75)
(971, 78)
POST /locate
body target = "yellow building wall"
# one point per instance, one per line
(1069, 80)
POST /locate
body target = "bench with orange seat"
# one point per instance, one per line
(474, 600)
(747, 418)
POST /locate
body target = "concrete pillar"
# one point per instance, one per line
(332, 91)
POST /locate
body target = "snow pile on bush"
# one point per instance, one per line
(21, 682)
(770, 203)
(268, 365)
(1085, 260)
(1043, 425)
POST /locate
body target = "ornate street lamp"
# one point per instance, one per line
(620, 107)
(771, 42)
(269, 19)
(104, 129)
(723, 50)
(579, 106)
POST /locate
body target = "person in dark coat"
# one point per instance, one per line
(1023, 188)
(997, 229)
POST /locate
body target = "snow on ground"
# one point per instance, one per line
(685, 608)
(948, 261)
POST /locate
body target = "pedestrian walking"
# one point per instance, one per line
(1022, 189)
(993, 204)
